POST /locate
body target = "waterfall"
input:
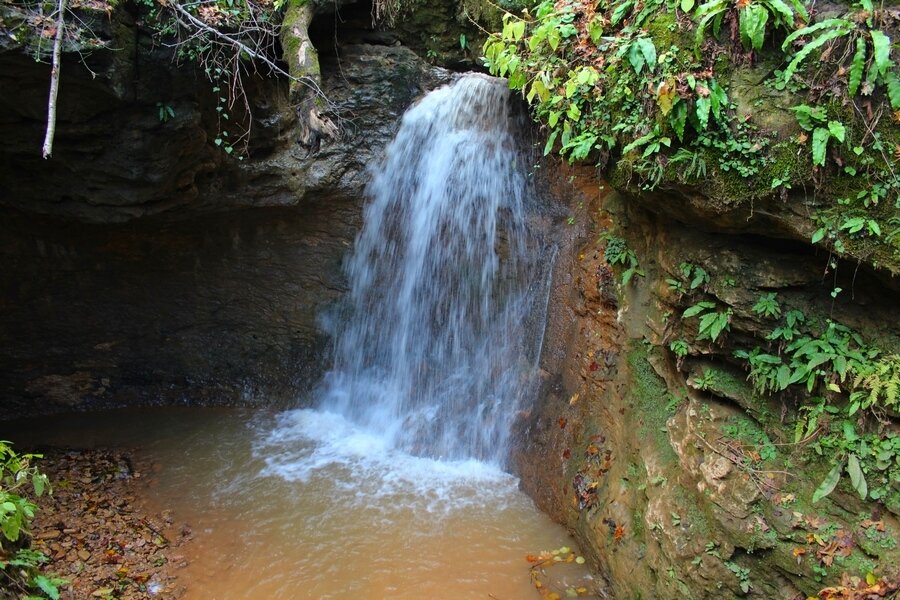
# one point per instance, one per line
(432, 351)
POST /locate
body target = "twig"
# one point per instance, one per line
(54, 80)
(146, 524)
(754, 474)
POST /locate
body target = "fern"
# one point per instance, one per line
(826, 24)
(877, 383)
(753, 26)
(857, 67)
(753, 16)
(706, 13)
(810, 47)
(881, 51)
(801, 10)
(782, 12)
(893, 89)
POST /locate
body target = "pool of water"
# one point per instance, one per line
(303, 504)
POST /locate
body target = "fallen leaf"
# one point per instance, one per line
(878, 525)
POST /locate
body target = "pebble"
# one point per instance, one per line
(96, 531)
(50, 534)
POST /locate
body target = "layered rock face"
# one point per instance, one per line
(678, 476)
(145, 265)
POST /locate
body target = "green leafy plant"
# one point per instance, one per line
(676, 286)
(20, 566)
(617, 252)
(793, 319)
(166, 112)
(594, 111)
(753, 18)
(814, 120)
(694, 164)
(705, 380)
(696, 276)
(767, 305)
(680, 348)
(870, 64)
(742, 574)
(826, 359)
(712, 321)
(870, 461)
(843, 377)
(17, 472)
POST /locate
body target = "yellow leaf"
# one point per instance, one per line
(665, 96)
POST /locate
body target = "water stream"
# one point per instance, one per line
(432, 351)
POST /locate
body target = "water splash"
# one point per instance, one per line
(432, 353)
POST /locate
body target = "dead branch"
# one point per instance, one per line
(54, 79)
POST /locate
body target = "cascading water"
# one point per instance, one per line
(433, 351)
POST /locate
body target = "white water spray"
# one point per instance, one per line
(432, 353)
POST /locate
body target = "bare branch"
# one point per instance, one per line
(198, 24)
(54, 79)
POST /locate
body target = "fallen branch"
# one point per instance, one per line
(54, 79)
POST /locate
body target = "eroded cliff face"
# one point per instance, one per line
(142, 264)
(677, 476)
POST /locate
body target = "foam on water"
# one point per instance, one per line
(309, 445)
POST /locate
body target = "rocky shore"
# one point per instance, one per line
(100, 534)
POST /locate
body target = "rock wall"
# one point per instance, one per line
(652, 459)
(143, 265)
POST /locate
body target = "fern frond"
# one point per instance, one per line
(893, 89)
(781, 9)
(808, 49)
(881, 45)
(857, 66)
(706, 13)
(826, 24)
(801, 10)
(882, 380)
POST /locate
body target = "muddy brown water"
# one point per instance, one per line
(302, 505)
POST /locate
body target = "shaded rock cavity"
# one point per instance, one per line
(146, 266)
